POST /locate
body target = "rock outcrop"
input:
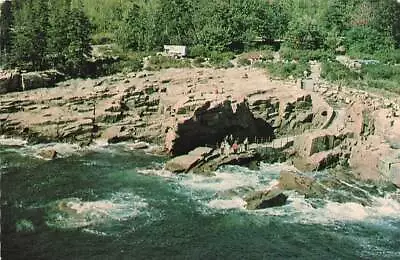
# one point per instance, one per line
(186, 162)
(48, 154)
(181, 109)
(290, 180)
(12, 81)
(273, 197)
(212, 122)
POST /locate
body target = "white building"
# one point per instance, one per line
(175, 50)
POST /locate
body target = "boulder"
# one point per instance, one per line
(317, 161)
(292, 180)
(40, 79)
(359, 119)
(139, 145)
(214, 161)
(115, 134)
(48, 154)
(10, 81)
(201, 151)
(265, 199)
(365, 157)
(182, 163)
(389, 168)
(311, 143)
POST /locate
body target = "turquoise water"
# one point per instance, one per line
(127, 207)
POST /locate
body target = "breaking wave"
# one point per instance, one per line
(76, 213)
(229, 185)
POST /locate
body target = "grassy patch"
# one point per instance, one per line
(305, 55)
(221, 59)
(375, 76)
(334, 71)
(287, 69)
(164, 62)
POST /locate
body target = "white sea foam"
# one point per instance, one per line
(333, 211)
(74, 212)
(297, 209)
(233, 203)
(222, 181)
(12, 141)
(154, 172)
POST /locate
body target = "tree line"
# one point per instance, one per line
(44, 34)
(57, 34)
(363, 26)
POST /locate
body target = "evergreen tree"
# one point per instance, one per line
(176, 21)
(57, 43)
(78, 36)
(30, 35)
(5, 32)
(40, 26)
(23, 51)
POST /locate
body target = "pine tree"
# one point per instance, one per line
(78, 36)
(30, 35)
(57, 43)
(23, 51)
(5, 32)
(40, 23)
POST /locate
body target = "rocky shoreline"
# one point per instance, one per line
(182, 110)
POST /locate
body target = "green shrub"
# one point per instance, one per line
(220, 59)
(244, 62)
(165, 62)
(198, 51)
(305, 55)
(24, 225)
(198, 61)
(102, 38)
(131, 65)
(380, 71)
(268, 54)
(363, 39)
(285, 70)
(334, 71)
(388, 56)
(388, 85)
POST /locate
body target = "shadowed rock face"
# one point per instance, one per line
(209, 125)
(265, 199)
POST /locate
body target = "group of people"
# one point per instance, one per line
(229, 145)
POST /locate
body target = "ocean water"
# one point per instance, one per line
(113, 203)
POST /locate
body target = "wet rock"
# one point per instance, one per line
(265, 199)
(291, 180)
(48, 154)
(182, 163)
(139, 145)
(214, 161)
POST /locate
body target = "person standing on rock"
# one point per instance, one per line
(246, 144)
(231, 139)
(235, 147)
(226, 148)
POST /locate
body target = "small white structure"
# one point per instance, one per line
(175, 50)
